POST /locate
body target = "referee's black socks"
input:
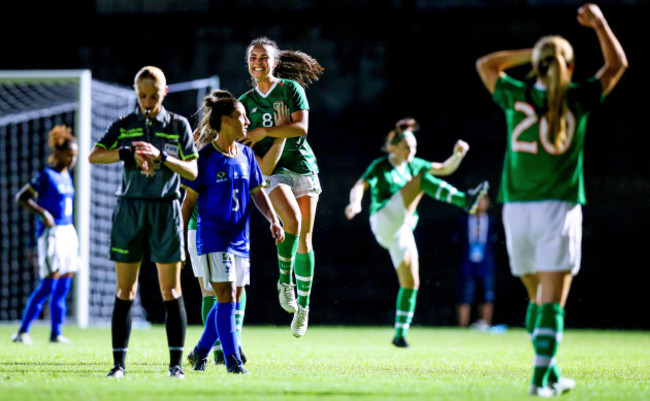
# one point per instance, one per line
(121, 330)
(176, 325)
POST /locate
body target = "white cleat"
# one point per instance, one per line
(300, 322)
(287, 297)
(60, 340)
(24, 338)
(544, 392)
(563, 385)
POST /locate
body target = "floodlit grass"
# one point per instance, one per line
(329, 363)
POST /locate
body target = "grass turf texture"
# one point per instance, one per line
(329, 363)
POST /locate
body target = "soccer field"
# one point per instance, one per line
(329, 363)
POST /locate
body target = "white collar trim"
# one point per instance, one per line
(267, 93)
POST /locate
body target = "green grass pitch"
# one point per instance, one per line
(329, 363)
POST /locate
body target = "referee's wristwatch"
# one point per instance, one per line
(163, 156)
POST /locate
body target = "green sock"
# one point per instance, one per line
(206, 305)
(531, 319)
(441, 190)
(548, 332)
(304, 268)
(286, 254)
(240, 312)
(404, 309)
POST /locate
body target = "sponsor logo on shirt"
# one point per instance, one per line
(222, 177)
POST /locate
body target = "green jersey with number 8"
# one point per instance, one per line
(297, 155)
(533, 169)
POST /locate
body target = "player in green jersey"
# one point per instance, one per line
(279, 78)
(542, 184)
(397, 183)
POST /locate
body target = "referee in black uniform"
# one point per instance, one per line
(157, 149)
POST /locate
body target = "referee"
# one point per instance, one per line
(156, 149)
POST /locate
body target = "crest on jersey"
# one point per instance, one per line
(277, 104)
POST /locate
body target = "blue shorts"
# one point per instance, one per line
(475, 279)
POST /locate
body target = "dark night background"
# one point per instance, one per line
(385, 60)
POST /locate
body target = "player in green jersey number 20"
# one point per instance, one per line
(542, 184)
(279, 79)
(397, 183)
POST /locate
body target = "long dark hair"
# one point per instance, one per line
(292, 64)
(217, 104)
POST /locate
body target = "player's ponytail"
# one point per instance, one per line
(299, 67)
(552, 62)
(217, 104)
(397, 134)
(60, 139)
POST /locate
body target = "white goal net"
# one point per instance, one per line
(31, 103)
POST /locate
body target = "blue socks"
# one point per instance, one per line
(35, 303)
(58, 306)
(227, 329)
(220, 324)
(209, 336)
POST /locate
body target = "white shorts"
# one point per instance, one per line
(58, 250)
(543, 236)
(301, 185)
(225, 267)
(393, 227)
(194, 256)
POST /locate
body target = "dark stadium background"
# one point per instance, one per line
(385, 60)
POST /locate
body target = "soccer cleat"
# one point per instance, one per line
(176, 372)
(19, 337)
(563, 385)
(544, 392)
(117, 372)
(480, 325)
(287, 297)
(400, 342)
(474, 195)
(197, 362)
(218, 358)
(60, 339)
(238, 368)
(300, 322)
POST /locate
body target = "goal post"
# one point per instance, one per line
(31, 102)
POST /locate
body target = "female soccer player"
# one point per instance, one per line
(157, 149)
(190, 216)
(229, 177)
(50, 195)
(279, 78)
(397, 182)
(542, 184)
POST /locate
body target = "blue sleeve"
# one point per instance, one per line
(39, 181)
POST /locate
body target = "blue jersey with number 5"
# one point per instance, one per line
(223, 187)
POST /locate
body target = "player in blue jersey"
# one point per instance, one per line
(157, 149)
(190, 217)
(229, 178)
(50, 196)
